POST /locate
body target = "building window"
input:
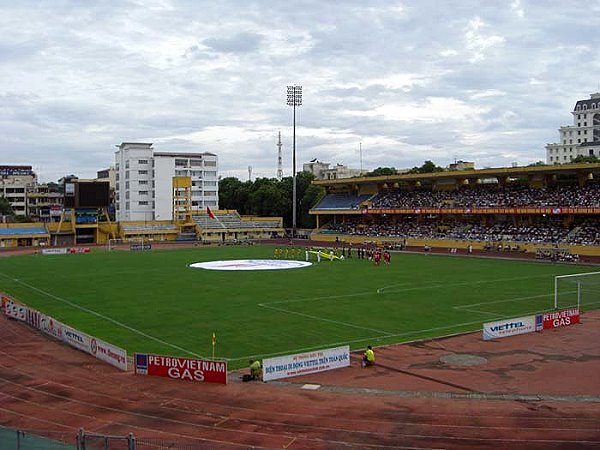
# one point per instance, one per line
(181, 162)
(127, 164)
(143, 192)
(142, 161)
(127, 185)
(196, 162)
(143, 182)
(143, 203)
(142, 172)
(127, 206)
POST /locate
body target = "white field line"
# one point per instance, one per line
(508, 300)
(367, 339)
(430, 285)
(102, 316)
(464, 283)
(323, 319)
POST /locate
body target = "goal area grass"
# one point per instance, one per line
(153, 302)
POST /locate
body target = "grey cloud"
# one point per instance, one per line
(240, 43)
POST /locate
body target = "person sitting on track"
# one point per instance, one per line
(369, 357)
(255, 369)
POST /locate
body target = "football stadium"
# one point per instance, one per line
(482, 313)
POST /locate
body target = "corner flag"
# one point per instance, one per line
(214, 343)
(210, 213)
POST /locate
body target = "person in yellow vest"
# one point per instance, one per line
(255, 369)
(369, 357)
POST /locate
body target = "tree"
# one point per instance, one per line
(537, 163)
(5, 208)
(271, 197)
(585, 159)
(310, 198)
(427, 167)
(381, 171)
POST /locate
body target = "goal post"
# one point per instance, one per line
(577, 290)
(124, 242)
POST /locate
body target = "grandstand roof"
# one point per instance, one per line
(23, 231)
(183, 155)
(473, 174)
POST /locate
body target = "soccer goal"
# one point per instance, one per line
(124, 243)
(576, 291)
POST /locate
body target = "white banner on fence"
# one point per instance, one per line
(104, 351)
(15, 310)
(508, 327)
(51, 327)
(109, 353)
(54, 251)
(305, 363)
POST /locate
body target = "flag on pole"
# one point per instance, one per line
(214, 342)
(210, 213)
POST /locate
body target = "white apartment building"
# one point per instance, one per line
(322, 171)
(144, 181)
(583, 138)
(15, 183)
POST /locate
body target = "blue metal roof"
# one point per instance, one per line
(23, 231)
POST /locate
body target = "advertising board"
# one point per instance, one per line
(176, 368)
(305, 363)
(558, 319)
(509, 327)
(54, 251)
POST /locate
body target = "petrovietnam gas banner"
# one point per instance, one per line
(557, 319)
(304, 363)
(199, 370)
(508, 327)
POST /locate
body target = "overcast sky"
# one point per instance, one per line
(483, 81)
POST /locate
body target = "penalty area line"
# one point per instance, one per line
(103, 317)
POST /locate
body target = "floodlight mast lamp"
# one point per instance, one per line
(294, 98)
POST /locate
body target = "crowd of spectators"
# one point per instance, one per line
(492, 197)
(548, 231)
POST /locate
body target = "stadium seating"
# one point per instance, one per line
(341, 201)
(491, 197)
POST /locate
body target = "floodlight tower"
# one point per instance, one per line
(294, 98)
(279, 160)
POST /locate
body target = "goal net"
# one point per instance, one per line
(124, 244)
(577, 291)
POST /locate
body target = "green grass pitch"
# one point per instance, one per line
(153, 302)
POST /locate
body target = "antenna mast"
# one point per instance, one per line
(279, 160)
